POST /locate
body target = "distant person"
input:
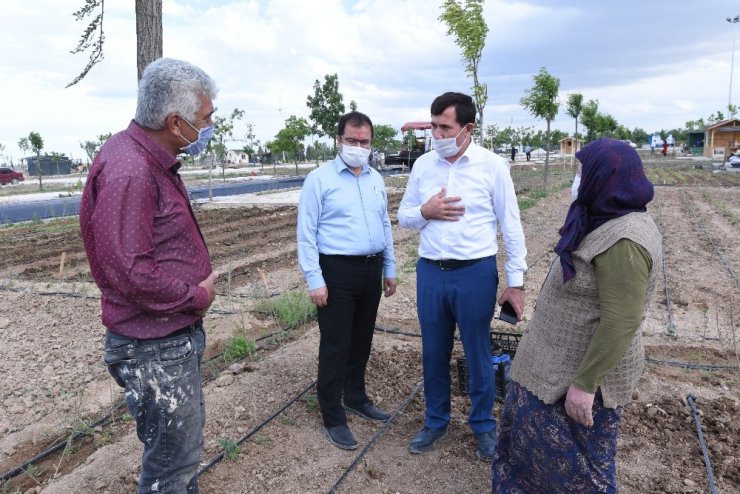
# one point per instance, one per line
(345, 249)
(150, 261)
(581, 355)
(513, 153)
(665, 148)
(652, 147)
(528, 151)
(458, 196)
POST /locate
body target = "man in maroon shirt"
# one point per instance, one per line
(150, 261)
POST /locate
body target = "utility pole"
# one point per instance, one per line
(733, 20)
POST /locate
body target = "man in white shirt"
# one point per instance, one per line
(457, 195)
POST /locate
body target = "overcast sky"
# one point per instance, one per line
(650, 64)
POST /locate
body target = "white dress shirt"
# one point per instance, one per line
(483, 182)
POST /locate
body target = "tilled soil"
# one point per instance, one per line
(53, 380)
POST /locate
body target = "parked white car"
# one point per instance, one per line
(632, 144)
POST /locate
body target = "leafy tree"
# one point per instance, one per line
(36, 144)
(326, 107)
(589, 114)
(148, 34)
(223, 131)
(92, 148)
(318, 151)
(384, 138)
(574, 108)
(290, 139)
(542, 102)
(465, 21)
(352, 105)
(639, 136)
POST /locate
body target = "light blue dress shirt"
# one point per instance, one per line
(340, 213)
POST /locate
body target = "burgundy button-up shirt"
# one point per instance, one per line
(143, 243)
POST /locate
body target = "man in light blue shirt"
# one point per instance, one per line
(345, 249)
(457, 196)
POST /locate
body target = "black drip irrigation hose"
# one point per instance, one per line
(669, 305)
(53, 449)
(717, 249)
(375, 438)
(710, 475)
(103, 421)
(61, 294)
(395, 331)
(689, 365)
(213, 461)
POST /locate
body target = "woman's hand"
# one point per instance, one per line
(579, 405)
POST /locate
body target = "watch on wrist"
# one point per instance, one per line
(518, 287)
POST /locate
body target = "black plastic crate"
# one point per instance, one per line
(505, 342)
(500, 343)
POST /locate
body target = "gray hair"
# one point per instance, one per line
(171, 86)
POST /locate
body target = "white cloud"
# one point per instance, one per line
(392, 57)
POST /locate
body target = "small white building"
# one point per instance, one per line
(237, 157)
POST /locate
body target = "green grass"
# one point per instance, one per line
(291, 309)
(231, 449)
(287, 420)
(312, 402)
(238, 347)
(262, 440)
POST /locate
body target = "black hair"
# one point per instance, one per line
(354, 119)
(464, 107)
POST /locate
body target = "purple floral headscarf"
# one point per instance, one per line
(613, 183)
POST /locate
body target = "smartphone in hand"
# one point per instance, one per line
(508, 314)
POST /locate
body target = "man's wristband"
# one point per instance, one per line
(518, 287)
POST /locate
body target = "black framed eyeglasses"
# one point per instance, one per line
(355, 142)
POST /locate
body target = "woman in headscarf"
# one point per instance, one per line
(581, 356)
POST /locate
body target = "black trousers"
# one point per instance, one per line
(346, 325)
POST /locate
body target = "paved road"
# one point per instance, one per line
(70, 206)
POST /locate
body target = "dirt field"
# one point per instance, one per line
(54, 383)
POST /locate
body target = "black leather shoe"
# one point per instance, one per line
(341, 437)
(486, 445)
(369, 412)
(425, 439)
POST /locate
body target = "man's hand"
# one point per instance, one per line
(390, 286)
(515, 297)
(439, 207)
(579, 405)
(319, 296)
(209, 284)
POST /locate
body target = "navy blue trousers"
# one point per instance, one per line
(465, 297)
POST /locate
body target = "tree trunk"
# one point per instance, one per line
(575, 148)
(38, 165)
(148, 33)
(547, 154)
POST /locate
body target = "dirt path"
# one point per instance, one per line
(53, 378)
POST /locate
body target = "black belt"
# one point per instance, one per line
(368, 259)
(453, 264)
(187, 329)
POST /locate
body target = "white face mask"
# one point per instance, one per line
(447, 147)
(574, 187)
(354, 156)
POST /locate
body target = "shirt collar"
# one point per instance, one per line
(339, 165)
(162, 157)
(463, 158)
